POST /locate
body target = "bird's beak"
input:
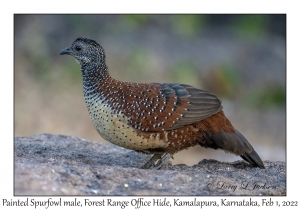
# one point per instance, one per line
(66, 51)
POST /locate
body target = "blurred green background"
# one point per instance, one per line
(240, 58)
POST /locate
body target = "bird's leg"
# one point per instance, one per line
(163, 160)
(152, 161)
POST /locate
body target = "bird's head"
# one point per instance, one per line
(87, 52)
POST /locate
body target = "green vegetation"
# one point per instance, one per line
(184, 71)
(251, 25)
(273, 96)
(187, 25)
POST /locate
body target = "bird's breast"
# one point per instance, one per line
(113, 126)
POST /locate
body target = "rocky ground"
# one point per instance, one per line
(65, 165)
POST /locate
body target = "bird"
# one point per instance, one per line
(160, 119)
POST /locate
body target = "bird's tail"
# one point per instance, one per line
(235, 143)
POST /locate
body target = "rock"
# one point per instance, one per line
(65, 165)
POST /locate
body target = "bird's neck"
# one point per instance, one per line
(94, 73)
(96, 81)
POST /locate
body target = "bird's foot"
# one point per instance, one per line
(161, 159)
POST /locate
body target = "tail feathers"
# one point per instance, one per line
(235, 143)
(253, 158)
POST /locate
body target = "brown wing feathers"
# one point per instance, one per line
(169, 106)
(202, 105)
(164, 111)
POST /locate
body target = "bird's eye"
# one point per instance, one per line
(78, 48)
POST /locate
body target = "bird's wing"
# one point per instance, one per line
(167, 106)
